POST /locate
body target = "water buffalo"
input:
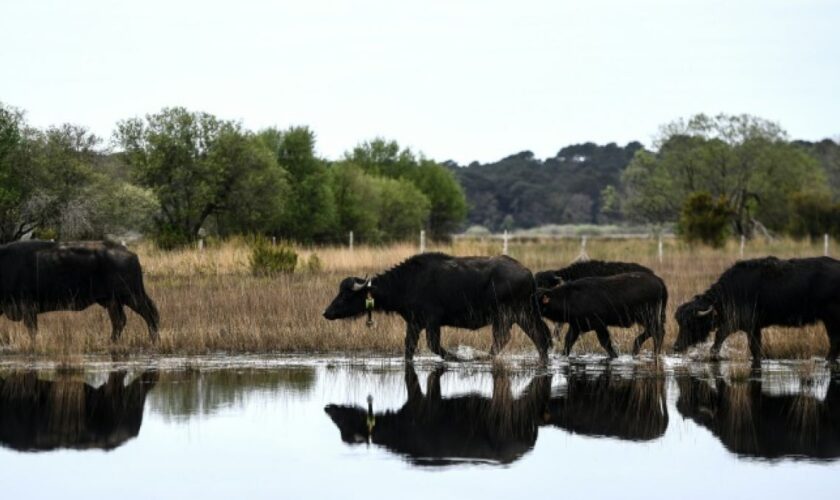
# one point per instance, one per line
(44, 415)
(754, 294)
(753, 423)
(43, 276)
(596, 303)
(586, 269)
(610, 405)
(433, 430)
(433, 290)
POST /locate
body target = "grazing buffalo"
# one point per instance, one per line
(620, 300)
(44, 415)
(433, 290)
(586, 269)
(754, 294)
(609, 405)
(757, 424)
(43, 276)
(433, 430)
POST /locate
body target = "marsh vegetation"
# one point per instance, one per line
(210, 301)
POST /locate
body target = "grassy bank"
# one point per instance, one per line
(209, 301)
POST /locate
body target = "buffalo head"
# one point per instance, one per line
(350, 301)
(696, 319)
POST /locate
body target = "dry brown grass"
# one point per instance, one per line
(209, 301)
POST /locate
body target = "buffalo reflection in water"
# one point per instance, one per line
(43, 415)
(631, 407)
(433, 430)
(752, 423)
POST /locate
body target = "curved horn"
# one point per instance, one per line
(358, 286)
(706, 312)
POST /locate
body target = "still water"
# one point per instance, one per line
(330, 428)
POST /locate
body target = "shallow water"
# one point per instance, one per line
(304, 427)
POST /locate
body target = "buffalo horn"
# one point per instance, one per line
(706, 312)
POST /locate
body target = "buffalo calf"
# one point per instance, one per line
(598, 302)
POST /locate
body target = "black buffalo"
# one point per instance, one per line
(610, 405)
(754, 294)
(753, 423)
(43, 276)
(586, 269)
(433, 430)
(619, 300)
(44, 415)
(433, 290)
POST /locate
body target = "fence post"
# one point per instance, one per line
(274, 241)
(505, 238)
(351, 241)
(660, 250)
(422, 241)
(825, 245)
(743, 240)
(201, 244)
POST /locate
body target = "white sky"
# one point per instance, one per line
(462, 80)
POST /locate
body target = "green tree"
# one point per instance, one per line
(312, 215)
(745, 159)
(16, 187)
(403, 209)
(196, 165)
(356, 195)
(448, 206)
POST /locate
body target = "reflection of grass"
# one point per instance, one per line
(182, 394)
(209, 301)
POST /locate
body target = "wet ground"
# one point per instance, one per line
(372, 428)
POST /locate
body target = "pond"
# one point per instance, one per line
(374, 428)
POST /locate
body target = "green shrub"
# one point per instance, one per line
(813, 215)
(269, 260)
(706, 220)
(167, 237)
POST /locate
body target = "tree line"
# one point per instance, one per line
(176, 175)
(709, 176)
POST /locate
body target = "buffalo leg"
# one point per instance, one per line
(604, 339)
(571, 337)
(30, 320)
(536, 330)
(412, 334)
(145, 307)
(412, 385)
(117, 315)
(501, 337)
(637, 344)
(433, 392)
(755, 345)
(433, 341)
(720, 337)
(833, 330)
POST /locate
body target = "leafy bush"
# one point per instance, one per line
(706, 220)
(168, 237)
(269, 260)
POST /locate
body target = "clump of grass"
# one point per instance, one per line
(270, 260)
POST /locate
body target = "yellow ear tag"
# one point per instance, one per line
(369, 302)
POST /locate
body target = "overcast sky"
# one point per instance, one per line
(462, 80)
